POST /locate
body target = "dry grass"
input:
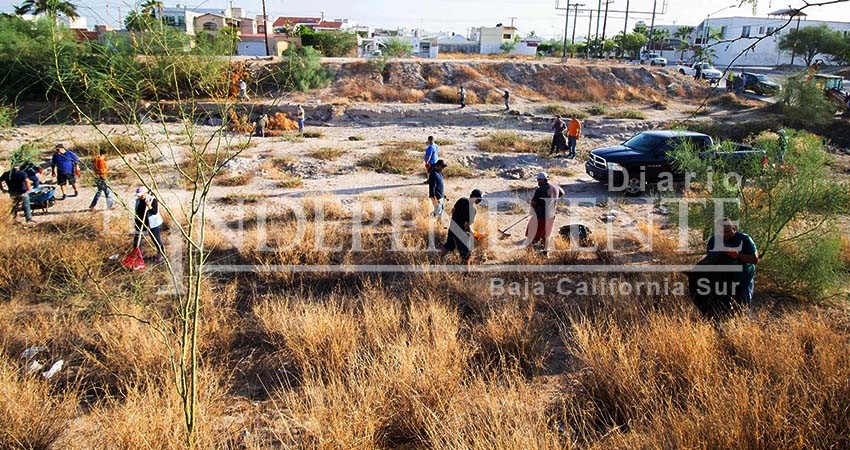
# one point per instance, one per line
(327, 153)
(458, 171)
(126, 145)
(392, 160)
(728, 101)
(449, 95)
(235, 180)
(506, 141)
(563, 111)
(627, 114)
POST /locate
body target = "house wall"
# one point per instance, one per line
(766, 52)
(491, 39)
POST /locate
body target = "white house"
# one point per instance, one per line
(423, 47)
(527, 46)
(490, 39)
(744, 31)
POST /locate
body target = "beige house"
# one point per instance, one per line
(214, 22)
(491, 39)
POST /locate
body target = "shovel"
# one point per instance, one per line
(503, 234)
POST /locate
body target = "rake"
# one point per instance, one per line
(503, 234)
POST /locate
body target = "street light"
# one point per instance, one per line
(708, 17)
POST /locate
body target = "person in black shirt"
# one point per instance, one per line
(436, 189)
(18, 185)
(460, 236)
(148, 219)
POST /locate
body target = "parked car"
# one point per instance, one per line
(646, 158)
(759, 84)
(654, 59)
(708, 72)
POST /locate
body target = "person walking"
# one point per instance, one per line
(436, 189)
(431, 156)
(738, 248)
(148, 220)
(65, 166)
(18, 186)
(542, 221)
(507, 100)
(573, 133)
(462, 95)
(559, 142)
(243, 91)
(698, 72)
(262, 123)
(100, 173)
(783, 146)
(301, 116)
(460, 235)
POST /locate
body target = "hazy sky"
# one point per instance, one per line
(456, 16)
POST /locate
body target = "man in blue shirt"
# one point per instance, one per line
(436, 191)
(64, 166)
(737, 248)
(430, 157)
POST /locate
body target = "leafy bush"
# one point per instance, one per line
(7, 115)
(397, 47)
(785, 207)
(560, 110)
(301, 70)
(333, 44)
(802, 103)
(597, 110)
(26, 153)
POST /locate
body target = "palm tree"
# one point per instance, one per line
(683, 33)
(153, 7)
(50, 7)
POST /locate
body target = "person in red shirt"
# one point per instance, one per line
(100, 174)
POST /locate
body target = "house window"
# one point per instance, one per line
(210, 26)
(745, 32)
(761, 30)
(507, 36)
(723, 32)
(770, 30)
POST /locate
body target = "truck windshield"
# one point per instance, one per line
(645, 142)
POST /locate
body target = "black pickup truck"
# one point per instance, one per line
(643, 159)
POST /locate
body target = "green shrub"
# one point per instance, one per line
(458, 171)
(312, 134)
(802, 103)
(8, 113)
(397, 47)
(627, 114)
(333, 44)
(597, 110)
(26, 153)
(560, 110)
(301, 70)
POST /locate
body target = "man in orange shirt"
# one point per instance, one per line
(573, 133)
(100, 173)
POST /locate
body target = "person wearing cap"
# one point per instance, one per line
(737, 248)
(64, 166)
(148, 220)
(783, 145)
(100, 173)
(460, 236)
(431, 156)
(436, 191)
(301, 116)
(542, 221)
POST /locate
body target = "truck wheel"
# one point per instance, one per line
(682, 71)
(633, 187)
(652, 63)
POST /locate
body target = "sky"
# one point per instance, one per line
(456, 16)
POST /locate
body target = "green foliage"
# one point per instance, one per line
(627, 114)
(301, 70)
(560, 110)
(785, 207)
(333, 44)
(597, 110)
(7, 115)
(51, 8)
(811, 41)
(26, 153)
(221, 42)
(397, 47)
(631, 43)
(507, 47)
(139, 21)
(803, 103)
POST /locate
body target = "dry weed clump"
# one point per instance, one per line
(372, 90)
(281, 122)
(326, 153)
(746, 385)
(392, 160)
(33, 414)
(125, 144)
(449, 95)
(506, 141)
(627, 114)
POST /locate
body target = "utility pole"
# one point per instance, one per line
(605, 21)
(598, 13)
(575, 19)
(626, 23)
(266, 28)
(589, 25)
(652, 25)
(514, 18)
(566, 23)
